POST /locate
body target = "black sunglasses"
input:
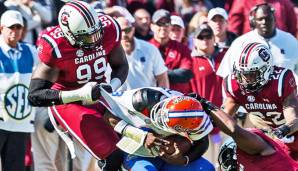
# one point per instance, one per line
(163, 24)
(206, 36)
(127, 30)
(16, 26)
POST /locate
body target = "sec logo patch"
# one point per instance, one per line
(16, 103)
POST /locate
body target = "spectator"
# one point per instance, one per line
(217, 19)
(146, 66)
(199, 18)
(206, 58)
(142, 24)
(239, 22)
(175, 54)
(177, 29)
(35, 14)
(282, 45)
(188, 8)
(17, 115)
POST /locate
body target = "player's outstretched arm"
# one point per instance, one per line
(247, 141)
(119, 65)
(230, 106)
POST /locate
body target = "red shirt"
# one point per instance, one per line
(205, 81)
(176, 55)
(285, 16)
(78, 66)
(278, 161)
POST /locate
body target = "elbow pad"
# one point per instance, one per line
(41, 94)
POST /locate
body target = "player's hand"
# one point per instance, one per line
(95, 91)
(176, 158)
(153, 140)
(207, 105)
(281, 131)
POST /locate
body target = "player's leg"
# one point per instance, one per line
(200, 164)
(137, 163)
(87, 126)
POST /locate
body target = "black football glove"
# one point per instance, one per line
(281, 131)
(207, 105)
(95, 92)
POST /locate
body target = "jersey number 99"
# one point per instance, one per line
(86, 72)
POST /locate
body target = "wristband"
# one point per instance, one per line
(187, 160)
(70, 96)
(119, 127)
(134, 133)
(115, 83)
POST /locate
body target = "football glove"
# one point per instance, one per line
(207, 105)
(281, 131)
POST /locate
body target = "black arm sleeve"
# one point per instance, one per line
(180, 75)
(41, 94)
(198, 148)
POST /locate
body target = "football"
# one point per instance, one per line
(182, 143)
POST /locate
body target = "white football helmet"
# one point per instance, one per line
(181, 114)
(254, 66)
(80, 24)
(227, 158)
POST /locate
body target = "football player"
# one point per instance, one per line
(74, 57)
(248, 149)
(162, 113)
(267, 92)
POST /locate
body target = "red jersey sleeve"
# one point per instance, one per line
(288, 83)
(45, 52)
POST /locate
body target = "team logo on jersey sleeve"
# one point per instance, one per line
(251, 98)
(16, 103)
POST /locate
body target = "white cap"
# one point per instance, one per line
(176, 20)
(217, 11)
(11, 17)
(125, 13)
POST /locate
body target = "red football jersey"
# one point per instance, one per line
(278, 161)
(268, 101)
(78, 66)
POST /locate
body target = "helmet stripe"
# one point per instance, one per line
(242, 56)
(90, 16)
(248, 53)
(187, 114)
(83, 12)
